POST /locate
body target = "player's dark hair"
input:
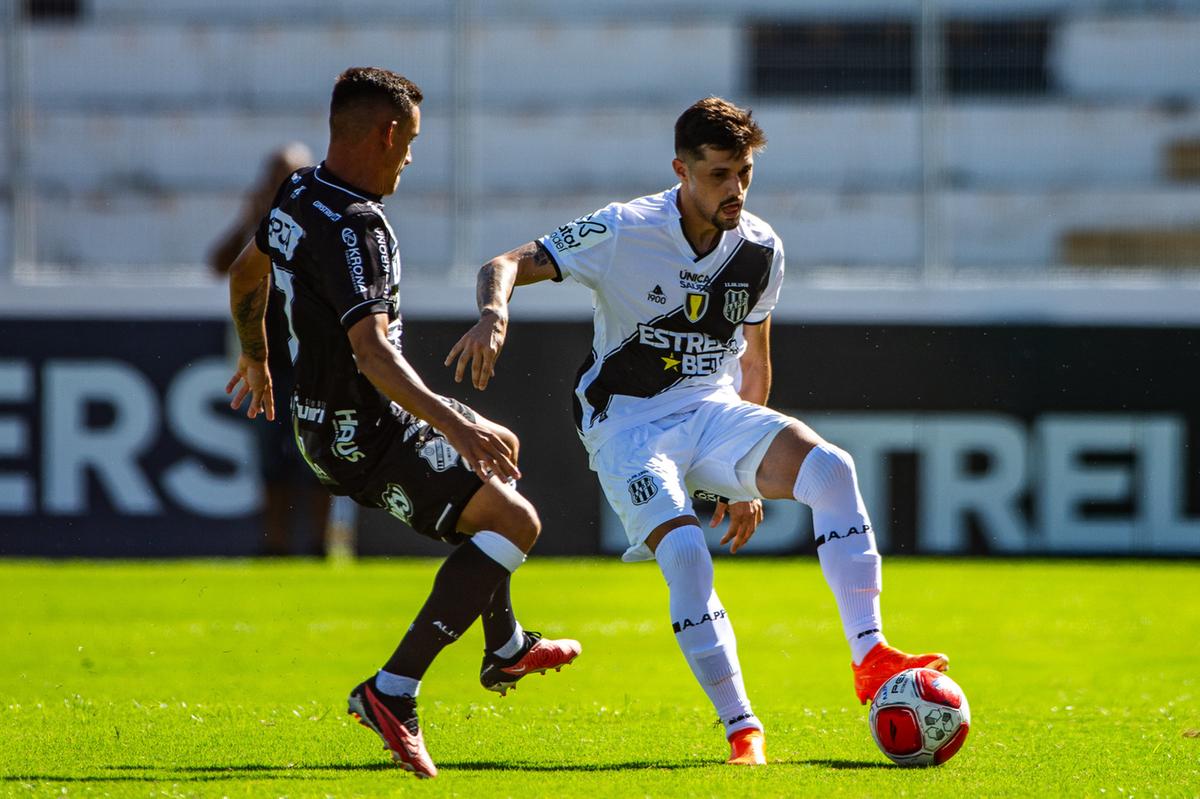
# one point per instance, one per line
(719, 124)
(361, 90)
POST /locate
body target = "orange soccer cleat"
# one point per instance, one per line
(394, 719)
(885, 661)
(747, 748)
(539, 656)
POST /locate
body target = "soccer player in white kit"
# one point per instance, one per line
(671, 400)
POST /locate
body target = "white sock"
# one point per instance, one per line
(702, 629)
(499, 549)
(828, 484)
(396, 684)
(514, 644)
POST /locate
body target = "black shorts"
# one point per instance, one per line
(420, 479)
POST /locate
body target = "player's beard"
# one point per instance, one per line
(722, 222)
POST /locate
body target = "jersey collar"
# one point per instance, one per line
(323, 174)
(675, 226)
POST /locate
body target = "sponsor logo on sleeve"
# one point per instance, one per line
(354, 261)
(385, 253)
(584, 233)
(325, 209)
(283, 233)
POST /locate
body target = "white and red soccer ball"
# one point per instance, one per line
(920, 717)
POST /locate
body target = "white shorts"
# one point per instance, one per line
(649, 472)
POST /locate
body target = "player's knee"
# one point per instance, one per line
(841, 464)
(683, 556)
(523, 526)
(827, 477)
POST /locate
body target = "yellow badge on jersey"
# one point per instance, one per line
(695, 305)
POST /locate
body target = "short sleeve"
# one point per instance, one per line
(770, 296)
(355, 267)
(262, 234)
(583, 249)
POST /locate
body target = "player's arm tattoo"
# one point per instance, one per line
(528, 263)
(248, 314)
(490, 291)
(541, 258)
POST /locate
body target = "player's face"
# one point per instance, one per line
(400, 152)
(717, 184)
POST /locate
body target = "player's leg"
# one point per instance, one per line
(801, 465)
(639, 472)
(522, 652)
(503, 527)
(502, 633)
(421, 480)
(705, 633)
(462, 588)
(510, 651)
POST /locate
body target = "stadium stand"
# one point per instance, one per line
(149, 117)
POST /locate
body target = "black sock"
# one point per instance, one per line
(499, 621)
(461, 591)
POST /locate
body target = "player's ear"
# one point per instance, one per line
(390, 130)
(680, 169)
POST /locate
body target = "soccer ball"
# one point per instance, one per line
(920, 717)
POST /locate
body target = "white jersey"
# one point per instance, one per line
(668, 325)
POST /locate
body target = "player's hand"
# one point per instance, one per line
(252, 378)
(478, 350)
(484, 451)
(744, 518)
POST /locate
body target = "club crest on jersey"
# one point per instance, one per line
(737, 305)
(397, 503)
(438, 453)
(695, 305)
(643, 487)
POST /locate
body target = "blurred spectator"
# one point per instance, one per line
(288, 483)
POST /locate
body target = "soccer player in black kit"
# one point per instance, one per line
(363, 419)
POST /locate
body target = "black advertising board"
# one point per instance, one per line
(968, 439)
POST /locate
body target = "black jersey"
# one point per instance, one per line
(335, 259)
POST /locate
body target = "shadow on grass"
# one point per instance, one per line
(298, 771)
(160, 777)
(469, 765)
(843, 765)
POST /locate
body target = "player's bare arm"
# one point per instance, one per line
(388, 371)
(756, 363)
(249, 282)
(480, 347)
(744, 517)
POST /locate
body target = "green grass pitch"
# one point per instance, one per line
(229, 679)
